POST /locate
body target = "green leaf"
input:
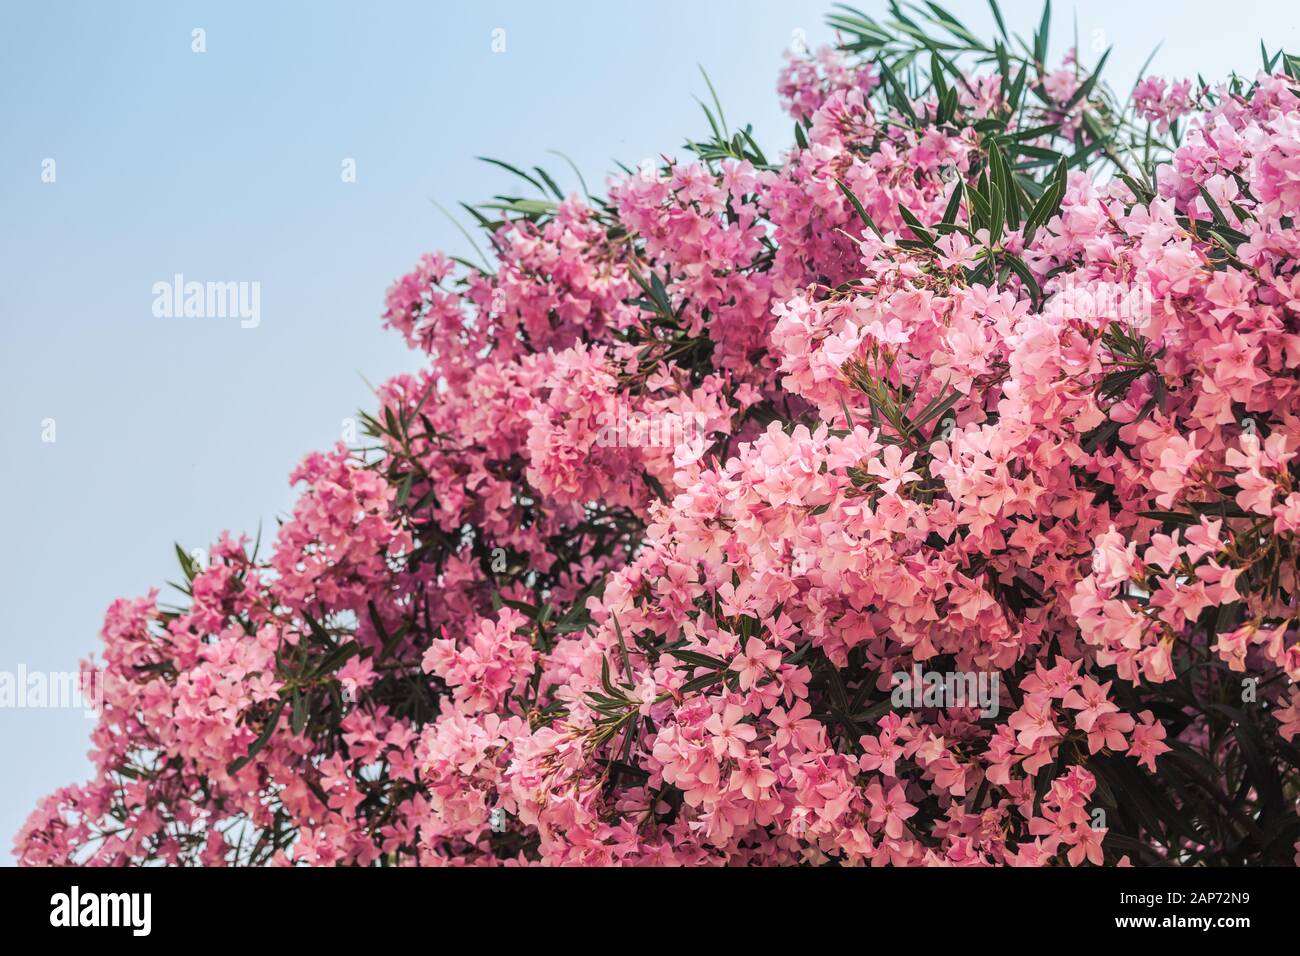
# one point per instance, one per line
(703, 681)
(513, 169)
(526, 207)
(394, 427)
(238, 763)
(859, 208)
(1048, 203)
(318, 633)
(298, 714)
(555, 190)
(954, 201)
(187, 564)
(1041, 35)
(1000, 174)
(895, 92)
(936, 409)
(1219, 218)
(1170, 517)
(997, 15)
(698, 659)
(1017, 89)
(936, 76)
(955, 27)
(921, 233)
(997, 212)
(655, 486)
(337, 658)
(1086, 86)
(1019, 268)
(622, 646)
(1269, 61)
(716, 102)
(606, 682)
(948, 107)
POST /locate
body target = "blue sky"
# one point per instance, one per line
(226, 165)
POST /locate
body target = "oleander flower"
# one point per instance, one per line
(976, 396)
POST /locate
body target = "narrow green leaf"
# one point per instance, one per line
(239, 762)
(1041, 36)
(859, 208)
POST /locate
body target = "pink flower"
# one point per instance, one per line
(729, 734)
(893, 468)
(625, 573)
(1092, 703)
(756, 661)
(1088, 846)
(891, 810)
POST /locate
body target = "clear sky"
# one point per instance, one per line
(226, 165)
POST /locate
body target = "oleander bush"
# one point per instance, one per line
(718, 491)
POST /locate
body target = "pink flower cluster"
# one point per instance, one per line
(1161, 103)
(492, 637)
